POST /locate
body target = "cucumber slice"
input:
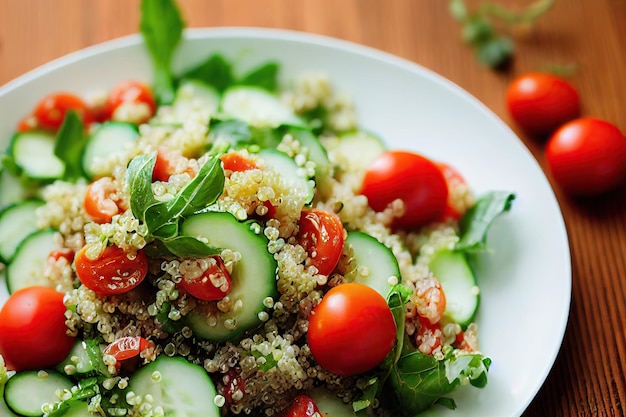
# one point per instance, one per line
(316, 153)
(33, 152)
(254, 275)
(357, 150)
(107, 140)
(290, 171)
(194, 95)
(16, 222)
(378, 260)
(79, 409)
(11, 189)
(458, 280)
(329, 404)
(257, 107)
(79, 358)
(181, 388)
(26, 267)
(26, 392)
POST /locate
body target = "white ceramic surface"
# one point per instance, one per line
(525, 281)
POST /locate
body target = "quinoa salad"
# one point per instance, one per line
(216, 243)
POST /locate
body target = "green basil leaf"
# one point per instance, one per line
(202, 191)
(476, 222)
(70, 142)
(162, 27)
(139, 179)
(215, 71)
(189, 247)
(264, 76)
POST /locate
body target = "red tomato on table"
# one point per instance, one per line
(33, 334)
(112, 272)
(351, 330)
(539, 102)
(414, 179)
(587, 156)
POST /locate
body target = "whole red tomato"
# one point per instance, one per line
(414, 179)
(33, 334)
(539, 102)
(351, 330)
(321, 235)
(587, 156)
(113, 272)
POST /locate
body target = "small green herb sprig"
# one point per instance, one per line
(479, 31)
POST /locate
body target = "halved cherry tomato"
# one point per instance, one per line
(168, 163)
(587, 156)
(33, 334)
(27, 123)
(112, 272)
(540, 102)
(414, 179)
(98, 204)
(126, 347)
(235, 162)
(321, 236)
(213, 284)
(131, 93)
(351, 330)
(428, 336)
(303, 406)
(51, 110)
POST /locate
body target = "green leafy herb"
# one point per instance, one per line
(264, 76)
(162, 27)
(215, 71)
(476, 222)
(70, 142)
(478, 30)
(162, 218)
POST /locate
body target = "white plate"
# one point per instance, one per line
(525, 281)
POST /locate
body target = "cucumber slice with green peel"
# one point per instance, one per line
(26, 267)
(359, 149)
(458, 281)
(26, 392)
(253, 276)
(194, 95)
(257, 107)
(290, 171)
(16, 222)
(180, 388)
(315, 152)
(33, 153)
(107, 140)
(79, 409)
(377, 266)
(11, 189)
(329, 404)
(78, 358)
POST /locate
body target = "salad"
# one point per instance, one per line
(215, 243)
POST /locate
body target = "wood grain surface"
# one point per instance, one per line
(588, 377)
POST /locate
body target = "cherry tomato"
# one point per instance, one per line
(587, 156)
(33, 334)
(132, 93)
(453, 179)
(213, 284)
(126, 347)
(98, 202)
(321, 236)
(414, 179)
(235, 162)
(168, 163)
(351, 330)
(234, 388)
(428, 336)
(27, 123)
(303, 406)
(539, 103)
(112, 272)
(51, 110)
(65, 253)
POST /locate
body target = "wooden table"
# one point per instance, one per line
(588, 377)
